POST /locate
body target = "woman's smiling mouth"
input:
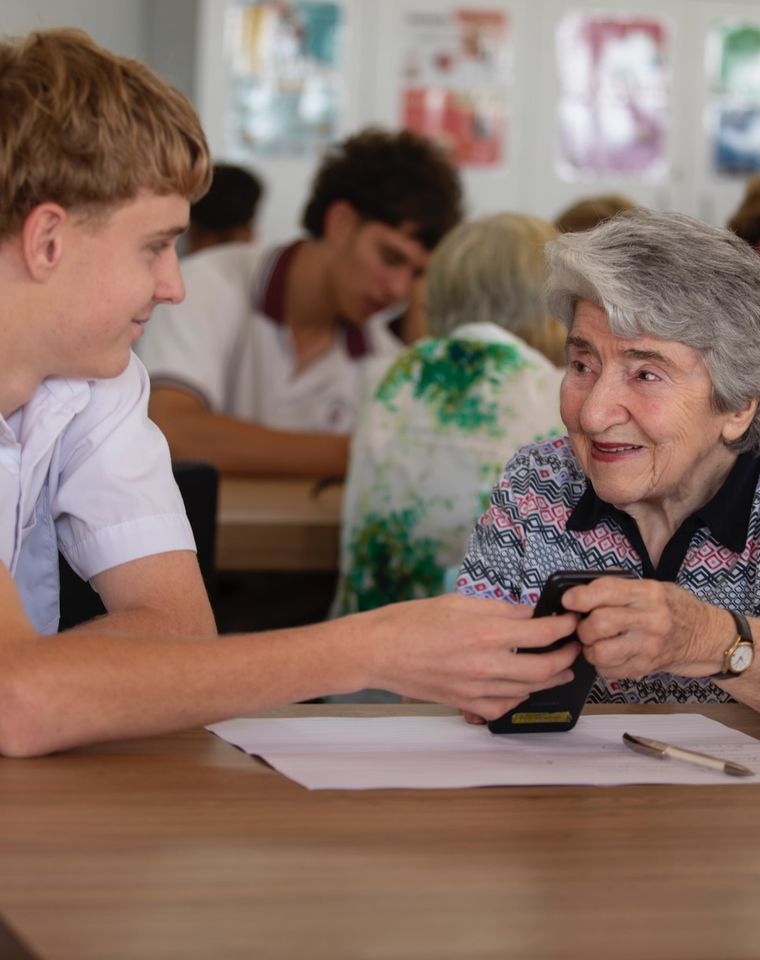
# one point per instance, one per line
(610, 452)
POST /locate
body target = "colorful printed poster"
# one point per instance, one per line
(733, 113)
(457, 74)
(614, 96)
(286, 83)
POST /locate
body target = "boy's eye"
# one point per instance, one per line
(391, 257)
(160, 247)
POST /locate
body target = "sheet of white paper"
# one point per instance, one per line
(357, 753)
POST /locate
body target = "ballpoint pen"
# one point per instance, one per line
(661, 750)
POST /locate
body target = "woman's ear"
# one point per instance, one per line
(737, 421)
(42, 239)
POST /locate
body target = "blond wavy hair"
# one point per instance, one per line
(90, 130)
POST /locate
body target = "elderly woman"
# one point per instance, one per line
(659, 473)
(434, 435)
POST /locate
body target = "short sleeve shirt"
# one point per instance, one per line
(543, 516)
(84, 470)
(228, 344)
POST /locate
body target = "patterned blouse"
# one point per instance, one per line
(544, 516)
(433, 435)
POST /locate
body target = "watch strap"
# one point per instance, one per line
(743, 635)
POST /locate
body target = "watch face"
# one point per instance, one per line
(741, 658)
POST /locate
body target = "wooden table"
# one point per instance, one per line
(279, 524)
(183, 847)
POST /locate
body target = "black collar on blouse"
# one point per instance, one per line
(726, 516)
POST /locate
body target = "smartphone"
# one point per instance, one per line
(557, 709)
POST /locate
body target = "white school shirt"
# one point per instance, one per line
(82, 468)
(227, 344)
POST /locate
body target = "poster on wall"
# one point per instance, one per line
(456, 78)
(733, 110)
(286, 76)
(614, 96)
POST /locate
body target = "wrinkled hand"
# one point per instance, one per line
(637, 627)
(461, 651)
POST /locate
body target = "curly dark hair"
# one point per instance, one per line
(231, 200)
(395, 178)
(745, 220)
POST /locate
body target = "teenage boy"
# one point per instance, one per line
(260, 370)
(98, 162)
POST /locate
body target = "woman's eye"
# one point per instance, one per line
(578, 366)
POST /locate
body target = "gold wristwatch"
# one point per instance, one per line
(739, 656)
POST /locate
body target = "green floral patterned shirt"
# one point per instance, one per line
(432, 437)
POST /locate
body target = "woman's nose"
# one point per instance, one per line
(604, 406)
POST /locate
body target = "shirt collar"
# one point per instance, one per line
(270, 300)
(726, 515)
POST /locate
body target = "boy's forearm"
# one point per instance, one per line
(240, 447)
(89, 685)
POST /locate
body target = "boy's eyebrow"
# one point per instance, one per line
(390, 247)
(169, 233)
(394, 248)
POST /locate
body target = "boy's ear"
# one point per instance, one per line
(341, 219)
(42, 239)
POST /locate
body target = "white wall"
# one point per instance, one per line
(119, 25)
(529, 183)
(182, 39)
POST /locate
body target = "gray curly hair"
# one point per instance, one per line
(673, 277)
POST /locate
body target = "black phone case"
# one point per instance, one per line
(556, 709)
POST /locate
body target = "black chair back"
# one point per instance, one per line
(198, 483)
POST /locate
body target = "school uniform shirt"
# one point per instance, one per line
(82, 468)
(431, 440)
(228, 345)
(544, 516)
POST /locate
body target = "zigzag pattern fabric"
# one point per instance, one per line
(522, 538)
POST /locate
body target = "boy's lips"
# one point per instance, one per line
(139, 324)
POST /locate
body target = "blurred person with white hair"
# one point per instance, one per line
(436, 428)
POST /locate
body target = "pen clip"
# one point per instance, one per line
(650, 748)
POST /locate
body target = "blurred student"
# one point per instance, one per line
(434, 434)
(745, 220)
(95, 185)
(227, 213)
(259, 371)
(590, 211)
